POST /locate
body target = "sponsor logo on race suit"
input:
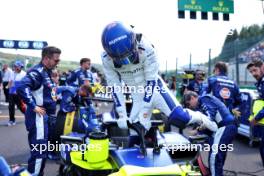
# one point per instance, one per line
(225, 93)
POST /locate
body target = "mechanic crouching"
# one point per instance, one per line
(73, 98)
(227, 127)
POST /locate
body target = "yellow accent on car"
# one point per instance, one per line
(97, 153)
(187, 76)
(76, 159)
(24, 173)
(175, 169)
(94, 157)
(155, 111)
(68, 123)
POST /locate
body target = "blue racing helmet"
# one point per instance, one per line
(19, 63)
(119, 42)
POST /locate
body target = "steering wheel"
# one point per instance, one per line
(141, 131)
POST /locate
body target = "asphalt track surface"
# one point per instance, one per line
(14, 147)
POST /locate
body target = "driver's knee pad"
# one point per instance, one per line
(179, 117)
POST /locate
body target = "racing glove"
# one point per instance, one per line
(122, 122)
(144, 117)
(122, 117)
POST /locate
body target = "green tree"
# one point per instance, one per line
(243, 33)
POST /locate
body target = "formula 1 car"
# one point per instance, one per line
(117, 152)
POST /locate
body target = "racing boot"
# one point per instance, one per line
(183, 117)
(202, 120)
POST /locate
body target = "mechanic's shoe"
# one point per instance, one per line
(53, 156)
(5, 104)
(11, 123)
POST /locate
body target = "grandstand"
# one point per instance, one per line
(246, 79)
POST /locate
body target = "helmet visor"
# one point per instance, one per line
(131, 58)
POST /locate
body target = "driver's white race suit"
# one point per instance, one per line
(148, 90)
